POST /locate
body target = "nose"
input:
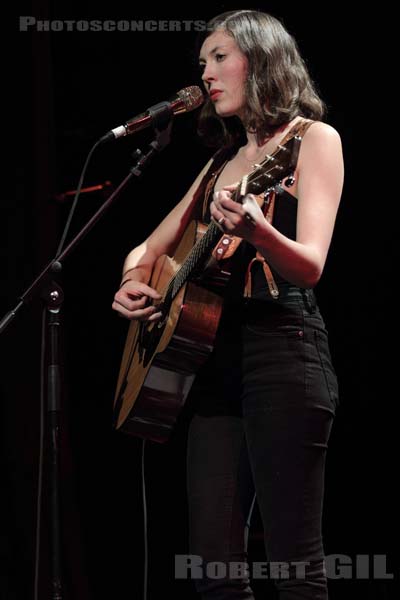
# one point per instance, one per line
(208, 74)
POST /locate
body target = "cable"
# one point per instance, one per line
(145, 544)
(76, 197)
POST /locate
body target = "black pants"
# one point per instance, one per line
(266, 401)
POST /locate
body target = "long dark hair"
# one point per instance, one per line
(278, 86)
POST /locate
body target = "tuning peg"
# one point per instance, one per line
(289, 181)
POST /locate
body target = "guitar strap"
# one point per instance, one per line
(202, 194)
(228, 244)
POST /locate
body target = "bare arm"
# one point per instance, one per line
(166, 236)
(320, 182)
(131, 299)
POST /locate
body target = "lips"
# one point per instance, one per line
(214, 94)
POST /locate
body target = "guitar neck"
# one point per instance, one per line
(195, 260)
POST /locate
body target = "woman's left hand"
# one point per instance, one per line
(241, 219)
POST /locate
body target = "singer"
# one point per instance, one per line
(265, 400)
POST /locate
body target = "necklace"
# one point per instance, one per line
(261, 155)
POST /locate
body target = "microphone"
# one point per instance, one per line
(160, 114)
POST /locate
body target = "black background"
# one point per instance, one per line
(66, 90)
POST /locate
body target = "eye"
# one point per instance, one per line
(220, 57)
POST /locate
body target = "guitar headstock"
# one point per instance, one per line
(269, 172)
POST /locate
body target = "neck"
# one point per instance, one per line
(253, 150)
(254, 142)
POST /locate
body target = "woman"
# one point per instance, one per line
(266, 398)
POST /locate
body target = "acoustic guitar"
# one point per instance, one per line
(160, 360)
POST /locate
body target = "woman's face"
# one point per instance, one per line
(224, 73)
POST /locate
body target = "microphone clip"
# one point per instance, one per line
(162, 139)
(161, 115)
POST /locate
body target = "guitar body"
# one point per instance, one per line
(159, 364)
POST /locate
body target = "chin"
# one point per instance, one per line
(224, 112)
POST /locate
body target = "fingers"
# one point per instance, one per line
(155, 317)
(249, 201)
(222, 207)
(139, 289)
(132, 301)
(230, 188)
(149, 313)
(223, 198)
(224, 210)
(252, 211)
(238, 218)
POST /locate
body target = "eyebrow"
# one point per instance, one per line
(213, 51)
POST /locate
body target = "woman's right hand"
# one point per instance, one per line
(132, 299)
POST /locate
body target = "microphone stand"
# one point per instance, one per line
(53, 296)
(53, 299)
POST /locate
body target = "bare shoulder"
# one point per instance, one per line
(320, 164)
(321, 144)
(321, 133)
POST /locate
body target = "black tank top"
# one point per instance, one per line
(284, 220)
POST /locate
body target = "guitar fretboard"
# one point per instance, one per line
(195, 259)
